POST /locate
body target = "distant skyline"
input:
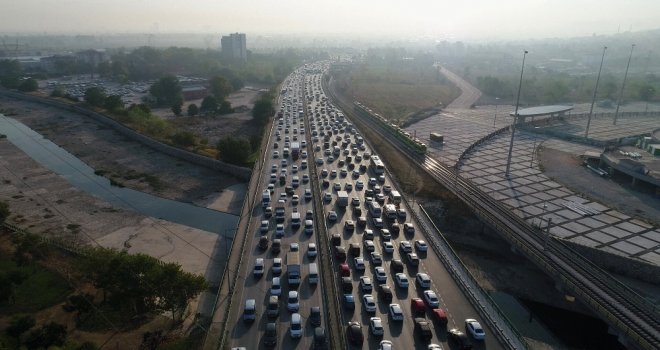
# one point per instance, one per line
(437, 19)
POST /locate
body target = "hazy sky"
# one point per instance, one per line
(456, 19)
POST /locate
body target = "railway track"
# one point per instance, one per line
(634, 317)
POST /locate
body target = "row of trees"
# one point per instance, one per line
(167, 91)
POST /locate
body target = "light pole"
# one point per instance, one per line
(547, 235)
(593, 100)
(515, 117)
(623, 85)
(496, 103)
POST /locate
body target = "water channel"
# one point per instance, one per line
(80, 175)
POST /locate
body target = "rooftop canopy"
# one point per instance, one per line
(543, 110)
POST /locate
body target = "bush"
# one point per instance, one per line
(29, 85)
(234, 150)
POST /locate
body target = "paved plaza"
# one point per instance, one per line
(530, 193)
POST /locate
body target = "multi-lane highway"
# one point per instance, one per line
(363, 239)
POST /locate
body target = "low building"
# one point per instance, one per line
(194, 92)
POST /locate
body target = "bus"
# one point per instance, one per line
(377, 165)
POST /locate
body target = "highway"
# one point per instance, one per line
(325, 118)
(250, 334)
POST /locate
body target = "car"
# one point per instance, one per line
(362, 221)
(369, 234)
(332, 216)
(355, 201)
(376, 326)
(340, 253)
(250, 310)
(385, 345)
(296, 326)
(380, 198)
(372, 181)
(405, 247)
(263, 243)
(259, 267)
(396, 312)
(268, 212)
(369, 245)
(385, 293)
(311, 250)
(434, 347)
(354, 333)
(381, 276)
(378, 222)
(440, 316)
(327, 196)
(413, 259)
(346, 284)
(387, 189)
(365, 284)
(273, 308)
(336, 186)
(401, 213)
(308, 194)
(294, 247)
(294, 168)
(343, 172)
(324, 172)
(263, 228)
(293, 303)
(431, 299)
(417, 306)
(344, 270)
(309, 215)
(474, 328)
(349, 301)
(359, 185)
(270, 335)
(319, 161)
(423, 280)
(396, 265)
(385, 234)
(349, 226)
(421, 246)
(376, 259)
(333, 173)
(276, 286)
(273, 179)
(395, 228)
(315, 316)
(388, 247)
(401, 280)
(369, 303)
(335, 239)
(459, 339)
(277, 266)
(423, 328)
(408, 228)
(320, 338)
(279, 230)
(276, 154)
(359, 264)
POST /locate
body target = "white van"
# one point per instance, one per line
(313, 273)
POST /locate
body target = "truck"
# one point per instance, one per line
(293, 268)
(390, 211)
(295, 150)
(265, 198)
(342, 199)
(395, 197)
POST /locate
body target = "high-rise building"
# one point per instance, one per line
(234, 46)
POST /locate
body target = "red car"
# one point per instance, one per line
(440, 316)
(417, 306)
(344, 270)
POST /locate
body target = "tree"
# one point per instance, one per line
(46, 336)
(263, 109)
(10, 73)
(209, 105)
(220, 87)
(192, 110)
(234, 150)
(4, 211)
(167, 91)
(95, 96)
(184, 138)
(28, 85)
(113, 103)
(646, 92)
(225, 108)
(176, 109)
(20, 324)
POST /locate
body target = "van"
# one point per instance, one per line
(313, 273)
(374, 209)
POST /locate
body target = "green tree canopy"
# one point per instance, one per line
(209, 105)
(29, 85)
(20, 324)
(10, 73)
(220, 87)
(234, 150)
(263, 109)
(192, 110)
(95, 96)
(4, 211)
(167, 91)
(225, 108)
(176, 109)
(113, 103)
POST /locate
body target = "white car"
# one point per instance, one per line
(421, 246)
(376, 259)
(369, 234)
(474, 328)
(369, 245)
(431, 299)
(381, 275)
(401, 280)
(365, 284)
(434, 347)
(276, 287)
(264, 226)
(308, 194)
(396, 312)
(423, 280)
(376, 326)
(359, 264)
(385, 345)
(311, 250)
(296, 325)
(277, 266)
(369, 303)
(279, 230)
(293, 303)
(294, 247)
(259, 267)
(295, 199)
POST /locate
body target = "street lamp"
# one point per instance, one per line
(593, 100)
(515, 117)
(623, 85)
(496, 103)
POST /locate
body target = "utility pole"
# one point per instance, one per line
(623, 85)
(515, 117)
(593, 100)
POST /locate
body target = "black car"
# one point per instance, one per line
(335, 239)
(346, 284)
(320, 339)
(315, 316)
(385, 293)
(423, 328)
(263, 243)
(459, 338)
(354, 333)
(396, 265)
(270, 336)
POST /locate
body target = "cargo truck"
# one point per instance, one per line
(293, 268)
(265, 198)
(390, 211)
(342, 199)
(295, 150)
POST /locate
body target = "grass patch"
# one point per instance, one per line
(41, 289)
